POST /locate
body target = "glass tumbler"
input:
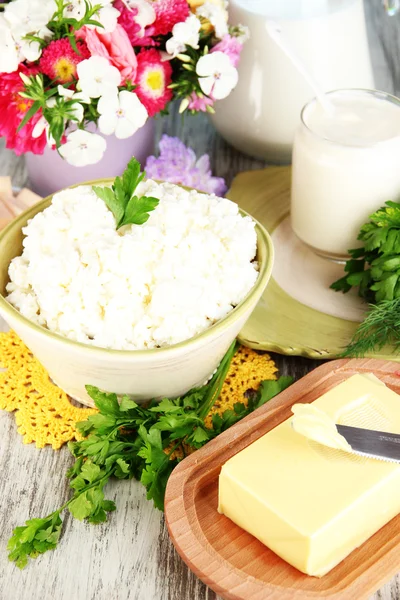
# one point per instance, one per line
(346, 165)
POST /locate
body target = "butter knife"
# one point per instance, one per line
(373, 444)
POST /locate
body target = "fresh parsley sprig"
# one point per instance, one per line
(127, 440)
(126, 207)
(88, 502)
(374, 269)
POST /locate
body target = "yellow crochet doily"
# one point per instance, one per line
(45, 415)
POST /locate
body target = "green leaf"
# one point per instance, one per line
(107, 195)
(384, 289)
(106, 403)
(270, 388)
(138, 209)
(121, 195)
(122, 470)
(120, 199)
(98, 517)
(132, 177)
(200, 436)
(167, 406)
(388, 216)
(81, 507)
(36, 537)
(29, 114)
(73, 43)
(127, 404)
(101, 424)
(90, 472)
(108, 505)
(84, 428)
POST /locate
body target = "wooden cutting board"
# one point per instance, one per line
(235, 564)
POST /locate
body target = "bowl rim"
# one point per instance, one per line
(263, 278)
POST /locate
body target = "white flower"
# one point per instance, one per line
(24, 17)
(184, 34)
(242, 33)
(107, 15)
(79, 96)
(97, 77)
(28, 50)
(40, 126)
(145, 16)
(217, 76)
(83, 148)
(77, 112)
(28, 16)
(217, 16)
(9, 58)
(122, 114)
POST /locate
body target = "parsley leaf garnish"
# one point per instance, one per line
(126, 440)
(126, 207)
(374, 269)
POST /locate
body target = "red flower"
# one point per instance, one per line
(168, 13)
(59, 60)
(12, 110)
(127, 20)
(152, 80)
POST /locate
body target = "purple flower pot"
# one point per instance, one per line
(49, 173)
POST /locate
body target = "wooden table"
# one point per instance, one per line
(131, 556)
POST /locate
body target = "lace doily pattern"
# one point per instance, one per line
(44, 414)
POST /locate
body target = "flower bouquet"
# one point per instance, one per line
(73, 72)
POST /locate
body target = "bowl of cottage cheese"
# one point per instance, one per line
(145, 310)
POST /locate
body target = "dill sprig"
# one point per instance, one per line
(380, 327)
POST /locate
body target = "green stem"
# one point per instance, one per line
(88, 487)
(179, 443)
(216, 385)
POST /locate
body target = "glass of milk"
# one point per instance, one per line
(346, 165)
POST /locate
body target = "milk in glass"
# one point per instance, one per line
(346, 165)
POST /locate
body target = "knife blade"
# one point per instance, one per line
(373, 444)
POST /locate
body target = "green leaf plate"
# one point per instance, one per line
(280, 322)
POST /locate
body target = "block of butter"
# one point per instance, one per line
(311, 504)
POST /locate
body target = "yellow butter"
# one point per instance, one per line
(313, 505)
(316, 425)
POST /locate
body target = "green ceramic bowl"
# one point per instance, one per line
(143, 374)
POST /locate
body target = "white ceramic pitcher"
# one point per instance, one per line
(329, 36)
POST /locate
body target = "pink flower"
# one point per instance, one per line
(115, 47)
(12, 110)
(230, 46)
(199, 104)
(127, 20)
(153, 79)
(168, 13)
(59, 60)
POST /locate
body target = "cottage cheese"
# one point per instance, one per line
(142, 287)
